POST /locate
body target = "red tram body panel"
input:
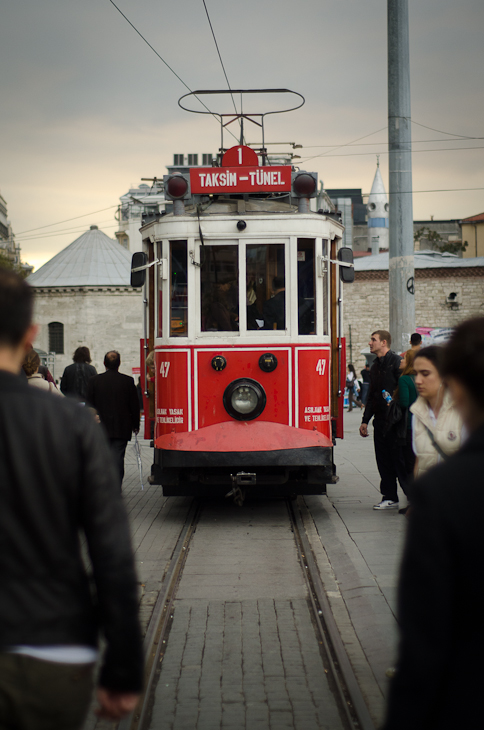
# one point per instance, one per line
(244, 300)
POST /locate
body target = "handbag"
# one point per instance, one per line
(397, 419)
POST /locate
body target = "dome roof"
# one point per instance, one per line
(93, 259)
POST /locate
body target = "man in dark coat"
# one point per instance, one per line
(274, 309)
(384, 374)
(440, 671)
(114, 397)
(57, 479)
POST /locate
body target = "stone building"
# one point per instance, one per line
(448, 289)
(473, 235)
(84, 297)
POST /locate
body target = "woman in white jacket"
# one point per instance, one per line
(437, 429)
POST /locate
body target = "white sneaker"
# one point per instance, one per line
(386, 504)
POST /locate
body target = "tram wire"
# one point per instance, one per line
(166, 64)
(344, 682)
(219, 55)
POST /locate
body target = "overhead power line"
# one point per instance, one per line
(163, 61)
(67, 220)
(219, 55)
(451, 134)
(385, 152)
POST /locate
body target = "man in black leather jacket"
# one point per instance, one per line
(384, 374)
(57, 480)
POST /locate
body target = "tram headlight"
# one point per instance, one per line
(244, 399)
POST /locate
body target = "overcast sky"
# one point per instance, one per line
(87, 109)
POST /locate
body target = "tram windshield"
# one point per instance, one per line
(266, 287)
(220, 289)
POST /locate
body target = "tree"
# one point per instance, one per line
(7, 263)
(436, 241)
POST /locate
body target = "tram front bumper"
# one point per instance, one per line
(274, 453)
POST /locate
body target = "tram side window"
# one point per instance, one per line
(178, 289)
(266, 287)
(306, 286)
(219, 289)
(159, 293)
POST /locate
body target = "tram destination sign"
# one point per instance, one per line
(267, 179)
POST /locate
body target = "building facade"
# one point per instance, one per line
(83, 297)
(448, 289)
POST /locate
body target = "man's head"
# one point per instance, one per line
(463, 370)
(16, 329)
(380, 342)
(277, 284)
(415, 340)
(112, 360)
(82, 354)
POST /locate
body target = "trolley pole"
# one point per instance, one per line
(401, 255)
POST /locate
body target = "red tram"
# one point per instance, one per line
(243, 296)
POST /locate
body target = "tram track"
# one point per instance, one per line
(347, 693)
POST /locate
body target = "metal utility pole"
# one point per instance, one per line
(401, 258)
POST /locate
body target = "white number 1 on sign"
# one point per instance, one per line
(321, 367)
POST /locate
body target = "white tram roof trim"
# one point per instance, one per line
(93, 259)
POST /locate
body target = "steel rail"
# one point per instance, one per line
(153, 642)
(348, 688)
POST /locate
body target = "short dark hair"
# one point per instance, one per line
(415, 339)
(463, 357)
(112, 360)
(16, 307)
(82, 354)
(383, 335)
(278, 282)
(433, 353)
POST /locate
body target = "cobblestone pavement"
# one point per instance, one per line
(242, 651)
(357, 550)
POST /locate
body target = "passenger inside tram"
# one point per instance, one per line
(220, 310)
(274, 309)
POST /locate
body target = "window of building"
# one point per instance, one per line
(193, 160)
(207, 160)
(178, 159)
(56, 337)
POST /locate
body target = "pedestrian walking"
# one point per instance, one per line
(31, 368)
(437, 426)
(114, 397)
(76, 376)
(353, 388)
(384, 374)
(57, 478)
(440, 674)
(365, 379)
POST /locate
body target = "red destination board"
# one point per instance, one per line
(206, 180)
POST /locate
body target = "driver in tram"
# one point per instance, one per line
(274, 309)
(221, 307)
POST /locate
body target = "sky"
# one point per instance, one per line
(88, 109)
